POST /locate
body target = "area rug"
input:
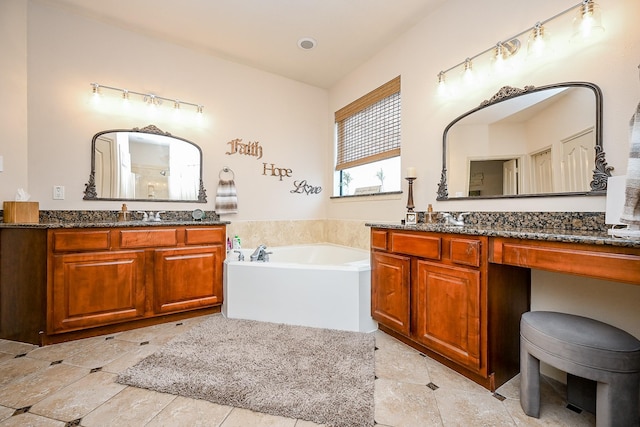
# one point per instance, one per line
(320, 375)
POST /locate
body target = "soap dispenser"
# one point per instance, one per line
(123, 215)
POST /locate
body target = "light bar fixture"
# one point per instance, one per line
(585, 24)
(149, 98)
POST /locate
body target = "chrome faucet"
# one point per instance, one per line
(450, 220)
(157, 217)
(145, 216)
(240, 255)
(260, 254)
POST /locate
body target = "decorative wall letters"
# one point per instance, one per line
(249, 149)
(304, 188)
(281, 172)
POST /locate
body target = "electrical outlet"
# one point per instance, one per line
(58, 192)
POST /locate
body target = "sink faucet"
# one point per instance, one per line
(157, 217)
(260, 254)
(450, 220)
(145, 216)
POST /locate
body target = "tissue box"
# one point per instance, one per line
(21, 212)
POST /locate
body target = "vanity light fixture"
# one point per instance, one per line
(149, 98)
(538, 41)
(587, 22)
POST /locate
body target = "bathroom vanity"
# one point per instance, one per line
(457, 293)
(61, 282)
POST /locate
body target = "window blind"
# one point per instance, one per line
(368, 129)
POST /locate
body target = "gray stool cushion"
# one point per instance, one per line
(584, 341)
(585, 348)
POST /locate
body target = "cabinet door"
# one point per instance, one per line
(187, 278)
(390, 290)
(447, 311)
(94, 289)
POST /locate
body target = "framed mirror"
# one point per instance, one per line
(536, 141)
(144, 164)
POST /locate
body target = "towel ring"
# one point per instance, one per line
(226, 169)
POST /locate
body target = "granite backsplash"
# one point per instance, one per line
(50, 217)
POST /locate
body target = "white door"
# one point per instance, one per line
(578, 160)
(104, 162)
(542, 181)
(510, 177)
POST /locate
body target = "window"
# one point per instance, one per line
(368, 143)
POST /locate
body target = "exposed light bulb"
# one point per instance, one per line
(538, 43)
(468, 76)
(588, 22)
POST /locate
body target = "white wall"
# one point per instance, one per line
(67, 52)
(13, 87)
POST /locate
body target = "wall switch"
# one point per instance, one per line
(58, 192)
(1, 163)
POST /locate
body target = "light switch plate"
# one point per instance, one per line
(58, 192)
(1, 163)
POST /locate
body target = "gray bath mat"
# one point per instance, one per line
(321, 375)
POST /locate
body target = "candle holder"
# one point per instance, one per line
(410, 204)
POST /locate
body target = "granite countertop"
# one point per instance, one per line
(111, 224)
(546, 234)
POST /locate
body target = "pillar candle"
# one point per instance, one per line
(411, 172)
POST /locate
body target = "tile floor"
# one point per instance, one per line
(72, 384)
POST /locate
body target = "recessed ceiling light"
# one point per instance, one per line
(307, 43)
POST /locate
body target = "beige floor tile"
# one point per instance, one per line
(245, 418)
(551, 414)
(6, 412)
(33, 388)
(405, 405)
(79, 398)
(404, 366)
(471, 409)
(387, 342)
(15, 347)
(16, 368)
(61, 351)
(445, 377)
(185, 412)
(130, 358)
(31, 420)
(131, 407)
(100, 354)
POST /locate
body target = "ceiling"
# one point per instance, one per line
(264, 33)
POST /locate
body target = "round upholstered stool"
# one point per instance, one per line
(586, 348)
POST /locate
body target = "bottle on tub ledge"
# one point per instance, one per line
(236, 243)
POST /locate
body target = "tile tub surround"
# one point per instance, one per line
(74, 384)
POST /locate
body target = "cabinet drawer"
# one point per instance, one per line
(200, 236)
(379, 239)
(418, 245)
(81, 240)
(465, 251)
(148, 238)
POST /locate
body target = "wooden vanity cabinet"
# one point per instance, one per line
(438, 293)
(79, 282)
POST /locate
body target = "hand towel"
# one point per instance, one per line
(226, 197)
(631, 210)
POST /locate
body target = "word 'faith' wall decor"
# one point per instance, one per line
(248, 149)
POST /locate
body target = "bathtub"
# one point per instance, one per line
(317, 285)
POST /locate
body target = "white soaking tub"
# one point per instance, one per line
(317, 285)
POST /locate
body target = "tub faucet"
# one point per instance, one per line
(450, 220)
(260, 254)
(240, 255)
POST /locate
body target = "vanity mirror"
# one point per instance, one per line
(144, 164)
(536, 141)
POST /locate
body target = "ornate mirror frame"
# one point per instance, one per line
(90, 192)
(600, 172)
